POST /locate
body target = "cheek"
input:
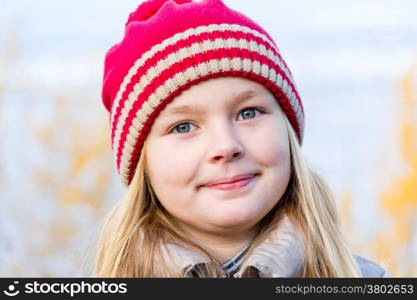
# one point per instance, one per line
(166, 163)
(169, 170)
(272, 153)
(272, 147)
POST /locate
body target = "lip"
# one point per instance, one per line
(232, 183)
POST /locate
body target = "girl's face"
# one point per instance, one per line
(215, 130)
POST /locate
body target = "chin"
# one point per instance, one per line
(235, 219)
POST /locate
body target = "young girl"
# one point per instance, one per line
(206, 127)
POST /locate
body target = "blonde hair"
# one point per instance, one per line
(133, 236)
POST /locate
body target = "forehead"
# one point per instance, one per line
(179, 108)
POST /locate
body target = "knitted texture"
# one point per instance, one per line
(170, 45)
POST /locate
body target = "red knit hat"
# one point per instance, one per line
(170, 45)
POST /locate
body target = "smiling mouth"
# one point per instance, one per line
(232, 185)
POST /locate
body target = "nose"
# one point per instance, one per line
(225, 144)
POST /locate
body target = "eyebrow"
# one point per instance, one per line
(182, 109)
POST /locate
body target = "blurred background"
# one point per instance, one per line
(354, 62)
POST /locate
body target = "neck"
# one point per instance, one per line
(224, 246)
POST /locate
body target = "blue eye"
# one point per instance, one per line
(181, 127)
(184, 127)
(250, 111)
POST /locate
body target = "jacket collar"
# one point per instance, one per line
(281, 254)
